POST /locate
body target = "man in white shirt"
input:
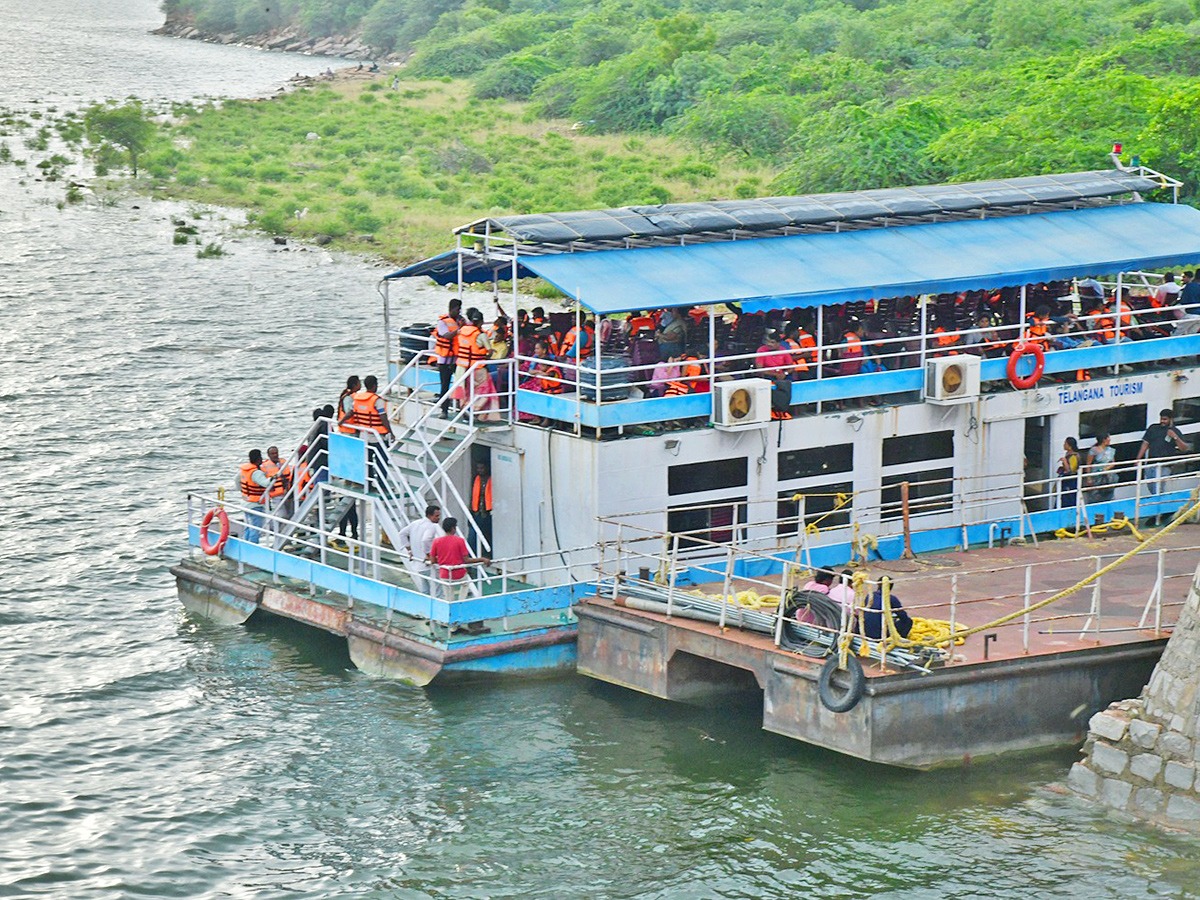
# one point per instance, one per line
(415, 540)
(1167, 293)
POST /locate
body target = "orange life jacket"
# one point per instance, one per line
(551, 381)
(808, 346)
(344, 429)
(251, 491)
(466, 346)
(443, 346)
(282, 481)
(365, 415)
(640, 324)
(1104, 326)
(794, 350)
(1037, 331)
(1122, 311)
(853, 345)
(303, 481)
(585, 347)
(487, 494)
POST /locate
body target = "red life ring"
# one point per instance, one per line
(1039, 365)
(214, 549)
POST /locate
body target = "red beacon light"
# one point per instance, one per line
(1116, 147)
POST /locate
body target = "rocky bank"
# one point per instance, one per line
(288, 39)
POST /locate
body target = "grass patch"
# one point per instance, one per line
(410, 169)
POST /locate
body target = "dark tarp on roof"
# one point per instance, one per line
(674, 219)
(818, 269)
(444, 270)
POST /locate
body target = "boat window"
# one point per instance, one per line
(717, 522)
(916, 448)
(1115, 421)
(707, 476)
(928, 492)
(1187, 411)
(816, 461)
(818, 501)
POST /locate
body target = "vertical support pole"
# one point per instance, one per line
(578, 379)
(618, 571)
(1137, 493)
(726, 585)
(1119, 310)
(599, 368)
(924, 307)
(1025, 618)
(458, 259)
(1021, 315)
(321, 530)
(953, 603)
(712, 349)
(1158, 594)
(514, 371)
(820, 348)
(785, 584)
(908, 552)
(674, 559)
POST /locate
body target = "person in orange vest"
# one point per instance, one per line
(639, 325)
(281, 479)
(808, 349)
(444, 332)
(791, 345)
(852, 352)
(1037, 328)
(690, 378)
(369, 414)
(346, 402)
(481, 505)
(586, 338)
(471, 344)
(944, 341)
(1100, 325)
(253, 482)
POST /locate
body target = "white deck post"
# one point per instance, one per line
(1025, 618)
(712, 349)
(674, 559)
(1021, 315)
(820, 347)
(725, 587)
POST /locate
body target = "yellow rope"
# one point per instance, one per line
(1066, 592)
(1115, 525)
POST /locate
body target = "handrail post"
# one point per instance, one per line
(1159, 594)
(726, 585)
(1025, 618)
(953, 604)
(674, 558)
(908, 552)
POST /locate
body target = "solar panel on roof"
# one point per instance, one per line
(674, 219)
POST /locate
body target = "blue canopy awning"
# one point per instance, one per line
(818, 269)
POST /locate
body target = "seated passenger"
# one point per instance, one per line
(775, 363)
(851, 353)
(821, 581)
(873, 622)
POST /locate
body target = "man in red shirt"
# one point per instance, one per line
(449, 554)
(775, 363)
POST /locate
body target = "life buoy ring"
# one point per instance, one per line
(214, 549)
(834, 698)
(1039, 365)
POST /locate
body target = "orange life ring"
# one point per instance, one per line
(214, 549)
(1039, 365)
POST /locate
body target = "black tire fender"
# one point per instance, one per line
(837, 699)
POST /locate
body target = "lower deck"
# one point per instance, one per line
(1027, 684)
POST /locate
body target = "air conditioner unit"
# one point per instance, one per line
(741, 404)
(952, 379)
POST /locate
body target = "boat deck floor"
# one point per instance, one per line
(991, 584)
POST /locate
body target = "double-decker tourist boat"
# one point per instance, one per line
(741, 395)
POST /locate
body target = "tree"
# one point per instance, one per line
(127, 127)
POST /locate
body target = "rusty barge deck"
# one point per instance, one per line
(1022, 686)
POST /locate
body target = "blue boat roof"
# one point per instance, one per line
(818, 269)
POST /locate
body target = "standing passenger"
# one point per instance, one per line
(449, 554)
(1068, 471)
(445, 331)
(416, 539)
(481, 504)
(345, 403)
(253, 483)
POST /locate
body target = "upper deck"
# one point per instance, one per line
(926, 272)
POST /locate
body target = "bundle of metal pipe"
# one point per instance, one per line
(656, 599)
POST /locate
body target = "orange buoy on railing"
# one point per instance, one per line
(1039, 365)
(210, 548)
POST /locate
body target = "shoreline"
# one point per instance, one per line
(288, 39)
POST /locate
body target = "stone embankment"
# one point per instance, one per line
(1141, 755)
(287, 40)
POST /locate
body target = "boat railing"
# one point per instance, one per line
(745, 600)
(574, 388)
(959, 511)
(317, 554)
